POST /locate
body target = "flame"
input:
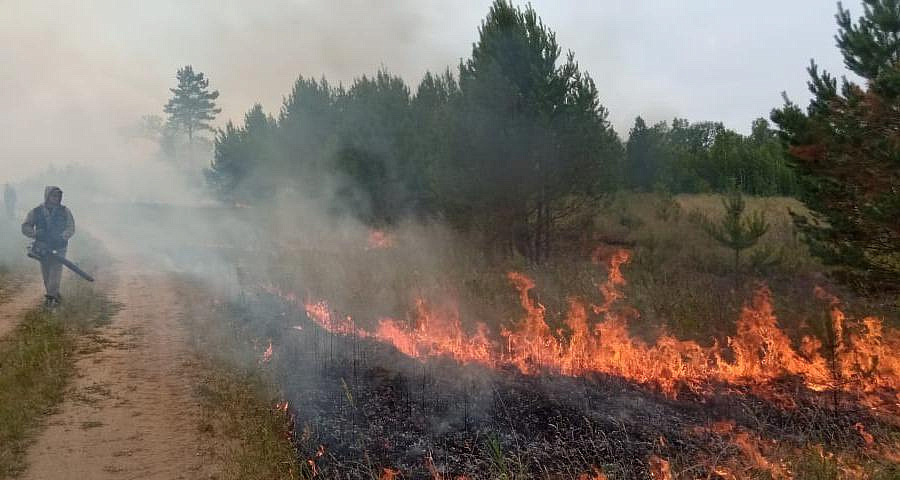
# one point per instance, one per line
(388, 473)
(749, 448)
(866, 436)
(437, 334)
(267, 355)
(379, 240)
(659, 468)
(860, 358)
(320, 313)
(313, 467)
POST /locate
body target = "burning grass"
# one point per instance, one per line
(36, 363)
(655, 361)
(362, 407)
(424, 396)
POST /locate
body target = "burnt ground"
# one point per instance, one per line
(361, 406)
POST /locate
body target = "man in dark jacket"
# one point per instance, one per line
(51, 224)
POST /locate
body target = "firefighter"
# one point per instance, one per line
(51, 225)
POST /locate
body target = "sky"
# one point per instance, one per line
(74, 74)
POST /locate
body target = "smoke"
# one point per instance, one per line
(73, 74)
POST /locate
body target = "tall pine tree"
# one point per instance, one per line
(192, 105)
(529, 131)
(846, 145)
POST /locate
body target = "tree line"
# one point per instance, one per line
(502, 145)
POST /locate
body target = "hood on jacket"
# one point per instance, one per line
(49, 190)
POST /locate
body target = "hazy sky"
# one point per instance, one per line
(73, 73)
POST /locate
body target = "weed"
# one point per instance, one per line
(817, 465)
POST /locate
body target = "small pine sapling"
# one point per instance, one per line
(735, 231)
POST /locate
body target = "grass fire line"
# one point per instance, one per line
(864, 360)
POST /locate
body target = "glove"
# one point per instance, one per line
(40, 248)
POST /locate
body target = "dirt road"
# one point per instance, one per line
(132, 411)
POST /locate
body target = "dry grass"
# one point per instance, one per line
(239, 406)
(36, 363)
(680, 279)
(253, 438)
(683, 282)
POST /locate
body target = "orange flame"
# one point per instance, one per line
(866, 436)
(751, 451)
(388, 473)
(267, 355)
(436, 334)
(379, 240)
(659, 468)
(597, 340)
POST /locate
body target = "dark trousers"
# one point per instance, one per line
(51, 269)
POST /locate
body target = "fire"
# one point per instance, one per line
(866, 436)
(320, 313)
(751, 451)
(859, 358)
(659, 468)
(435, 334)
(388, 474)
(379, 240)
(267, 355)
(311, 462)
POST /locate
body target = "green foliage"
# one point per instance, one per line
(735, 231)
(243, 165)
(706, 157)
(531, 131)
(815, 465)
(504, 148)
(646, 155)
(192, 105)
(499, 149)
(846, 146)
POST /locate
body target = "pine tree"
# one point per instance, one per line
(734, 231)
(646, 155)
(846, 146)
(529, 130)
(192, 105)
(244, 165)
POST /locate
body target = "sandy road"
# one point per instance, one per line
(131, 412)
